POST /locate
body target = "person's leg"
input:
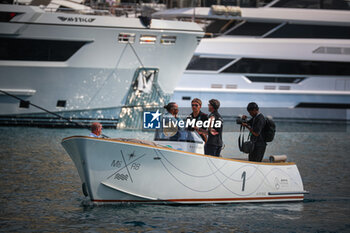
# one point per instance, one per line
(257, 154)
(252, 155)
(260, 153)
(206, 150)
(217, 151)
(210, 149)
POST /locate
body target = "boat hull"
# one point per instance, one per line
(321, 94)
(115, 171)
(94, 81)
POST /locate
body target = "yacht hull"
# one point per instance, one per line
(303, 106)
(88, 63)
(321, 94)
(115, 171)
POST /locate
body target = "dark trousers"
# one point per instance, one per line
(258, 153)
(212, 150)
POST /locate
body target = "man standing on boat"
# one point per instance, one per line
(214, 143)
(198, 115)
(256, 126)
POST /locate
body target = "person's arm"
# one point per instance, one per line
(189, 117)
(256, 128)
(251, 129)
(216, 130)
(249, 122)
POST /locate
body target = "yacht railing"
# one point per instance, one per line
(88, 11)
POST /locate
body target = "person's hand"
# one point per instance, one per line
(214, 132)
(245, 124)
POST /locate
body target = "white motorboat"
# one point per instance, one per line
(85, 66)
(294, 62)
(129, 170)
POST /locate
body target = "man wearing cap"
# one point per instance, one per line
(214, 143)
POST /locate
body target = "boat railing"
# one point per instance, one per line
(87, 11)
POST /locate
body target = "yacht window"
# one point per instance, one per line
(126, 38)
(252, 29)
(268, 87)
(7, 16)
(322, 105)
(271, 79)
(148, 39)
(272, 66)
(24, 104)
(311, 31)
(284, 88)
(332, 50)
(231, 86)
(38, 50)
(314, 4)
(61, 103)
(216, 85)
(206, 63)
(168, 40)
(220, 26)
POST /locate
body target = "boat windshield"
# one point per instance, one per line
(179, 136)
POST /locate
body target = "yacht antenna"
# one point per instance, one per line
(138, 58)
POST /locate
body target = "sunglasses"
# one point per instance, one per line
(195, 105)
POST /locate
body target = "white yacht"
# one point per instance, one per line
(87, 67)
(295, 63)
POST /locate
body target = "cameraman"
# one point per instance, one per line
(256, 126)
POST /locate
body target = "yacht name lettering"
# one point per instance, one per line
(76, 19)
(169, 123)
(119, 176)
(116, 163)
(135, 166)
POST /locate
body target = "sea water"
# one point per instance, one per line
(40, 189)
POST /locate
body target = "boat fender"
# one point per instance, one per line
(226, 10)
(278, 158)
(84, 188)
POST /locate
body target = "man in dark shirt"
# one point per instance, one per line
(214, 143)
(256, 126)
(198, 115)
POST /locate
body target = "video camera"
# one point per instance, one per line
(240, 120)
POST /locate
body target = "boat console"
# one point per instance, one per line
(185, 140)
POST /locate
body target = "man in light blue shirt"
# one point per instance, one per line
(96, 129)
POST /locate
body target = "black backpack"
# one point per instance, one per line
(269, 129)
